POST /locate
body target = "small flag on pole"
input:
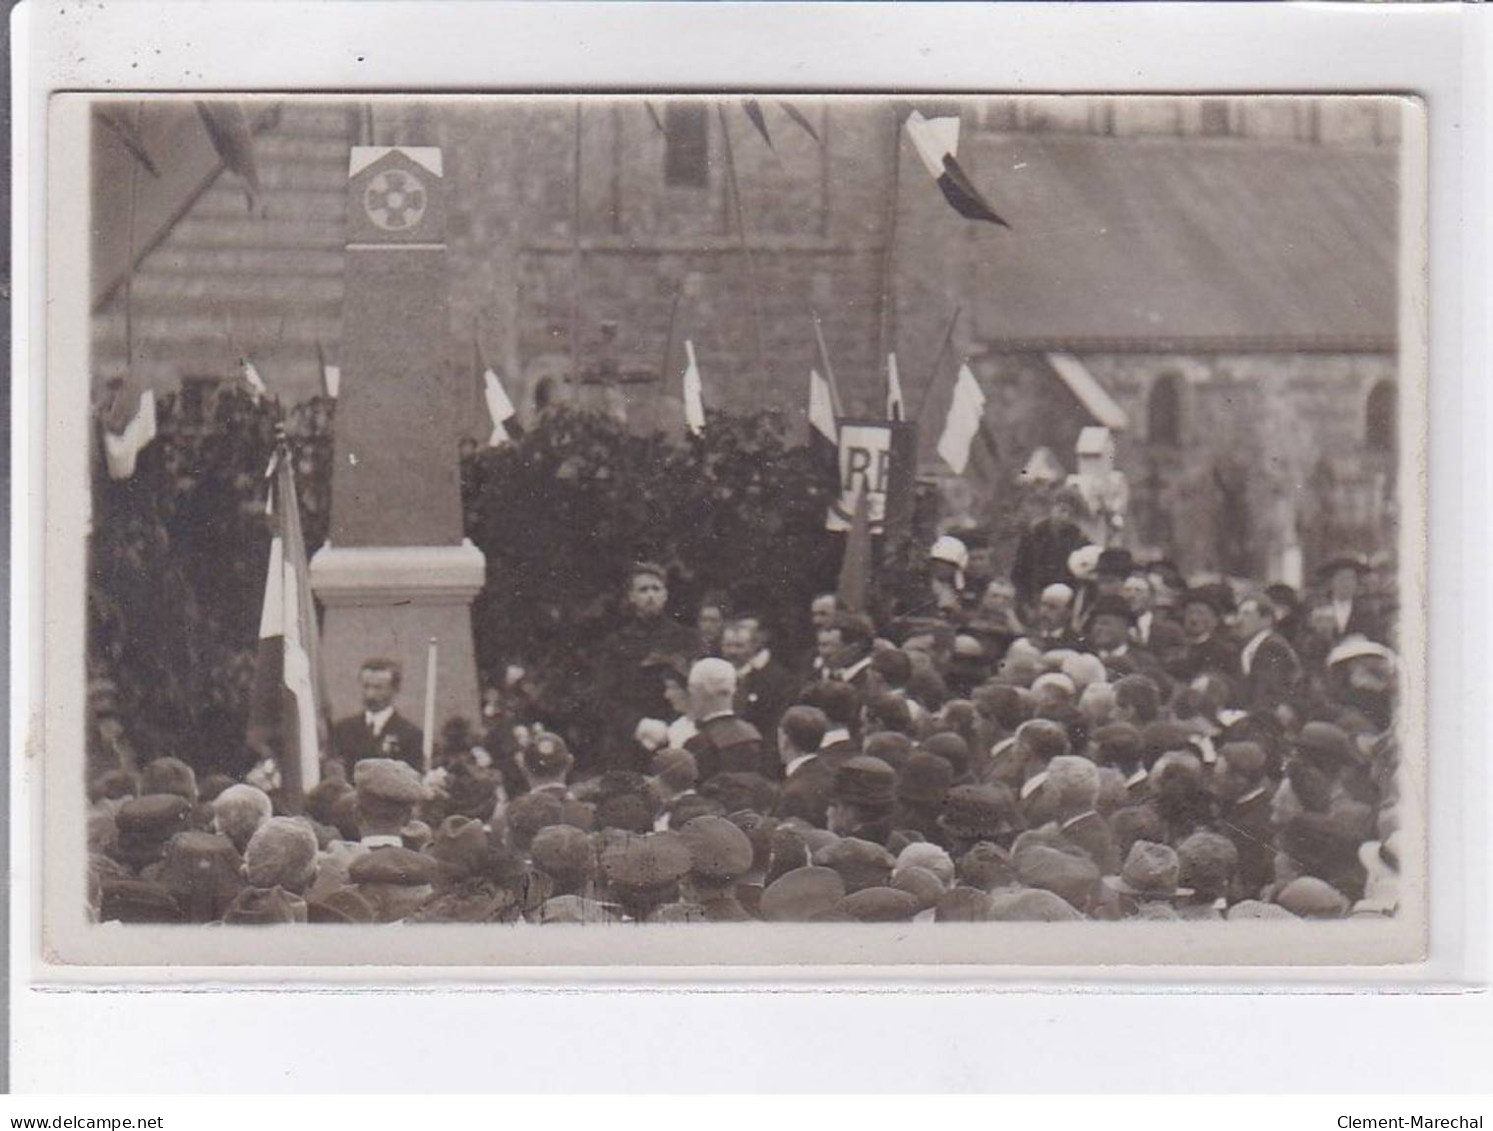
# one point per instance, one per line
(228, 128)
(800, 120)
(694, 399)
(257, 388)
(896, 409)
(936, 141)
(963, 422)
(331, 375)
(822, 426)
(753, 110)
(123, 448)
(500, 411)
(285, 720)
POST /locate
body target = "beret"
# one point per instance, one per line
(389, 780)
(1031, 906)
(718, 849)
(802, 895)
(880, 905)
(399, 867)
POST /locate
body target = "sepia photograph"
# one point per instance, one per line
(795, 526)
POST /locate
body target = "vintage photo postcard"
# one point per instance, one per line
(735, 531)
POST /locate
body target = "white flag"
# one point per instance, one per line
(822, 408)
(934, 139)
(499, 407)
(896, 409)
(257, 387)
(694, 401)
(965, 412)
(122, 449)
(331, 379)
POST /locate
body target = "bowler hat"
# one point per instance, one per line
(925, 779)
(865, 781)
(145, 824)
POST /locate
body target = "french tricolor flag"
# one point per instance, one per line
(285, 718)
(937, 141)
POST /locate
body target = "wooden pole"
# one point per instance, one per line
(129, 270)
(829, 371)
(575, 254)
(746, 250)
(427, 746)
(663, 365)
(943, 348)
(887, 321)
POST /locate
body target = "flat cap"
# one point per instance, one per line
(962, 905)
(459, 847)
(930, 856)
(260, 907)
(860, 863)
(802, 895)
(718, 849)
(389, 780)
(563, 852)
(980, 811)
(343, 905)
(575, 909)
(1310, 898)
(641, 863)
(880, 905)
(1032, 905)
(1254, 909)
(201, 871)
(397, 867)
(919, 883)
(1073, 877)
(136, 901)
(1151, 871)
(924, 778)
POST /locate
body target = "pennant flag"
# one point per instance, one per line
(500, 411)
(800, 120)
(257, 388)
(753, 110)
(694, 399)
(331, 375)
(130, 138)
(658, 122)
(228, 128)
(285, 718)
(855, 567)
(936, 141)
(963, 422)
(123, 448)
(896, 409)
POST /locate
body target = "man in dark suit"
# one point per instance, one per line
(1269, 670)
(1108, 635)
(764, 686)
(1351, 614)
(725, 743)
(1245, 795)
(1042, 553)
(1150, 629)
(379, 731)
(809, 778)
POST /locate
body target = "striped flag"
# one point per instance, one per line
(500, 410)
(694, 393)
(285, 718)
(331, 375)
(123, 447)
(896, 407)
(936, 141)
(824, 435)
(966, 410)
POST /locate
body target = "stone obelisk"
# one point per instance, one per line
(396, 569)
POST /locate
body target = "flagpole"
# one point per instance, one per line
(129, 267)
(427, 746)
(829, 370)
(888, 314)
(746, 251)
(575, 254)
(943, 348)
(663, 365)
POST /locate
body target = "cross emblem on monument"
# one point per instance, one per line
(394, 200)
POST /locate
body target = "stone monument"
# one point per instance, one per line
(396, 570)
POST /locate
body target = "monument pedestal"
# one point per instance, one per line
(388, 601)
(396, 569)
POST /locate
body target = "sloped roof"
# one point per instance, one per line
(1139, 242)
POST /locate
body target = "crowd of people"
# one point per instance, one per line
(1091, 738)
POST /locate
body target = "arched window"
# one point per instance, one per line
(1164, 411)
(1380, 424)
